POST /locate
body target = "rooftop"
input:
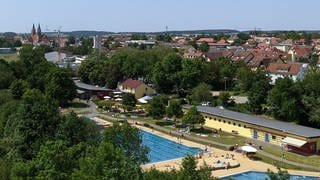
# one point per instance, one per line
(132, 83)
(286, 127)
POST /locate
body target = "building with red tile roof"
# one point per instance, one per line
(136, 87)
(293, 70)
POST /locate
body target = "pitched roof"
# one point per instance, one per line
(279, 68)
(207, 40)
(132, 83)
(286, 127)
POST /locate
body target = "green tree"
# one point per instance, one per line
(129, 101)
(157, 107)
(193, 117)
(106, 105)
(165, 74)
(107, 162)
(280, 175)
(60, 86)
(35, 122)
(189, 170)
(192, 73)
(201, 93)
(204, 47)
(6, 75)
(18, 88)
(174, 109)
(224, 98)
(74, 130)
(128, 139)
(284, 100)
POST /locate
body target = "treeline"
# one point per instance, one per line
(9, 43)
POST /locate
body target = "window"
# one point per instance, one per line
(274, 137)
(214, 118)
(234, 124)
(239, 125)
(210, 118)
(229, 122)
(205, 116)
(224, 121)
(219, 120)
(244, 126)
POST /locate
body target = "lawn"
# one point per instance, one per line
(280, 164)
(310, 160)
(9, 57)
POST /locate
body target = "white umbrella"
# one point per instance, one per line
(118, 99)
(117, 92)
(107, 97)
(248, 149)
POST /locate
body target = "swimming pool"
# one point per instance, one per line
(262, 176)
(162, 149)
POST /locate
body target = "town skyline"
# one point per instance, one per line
(144, 16)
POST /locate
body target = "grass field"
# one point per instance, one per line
(9, 57)
(310, 160)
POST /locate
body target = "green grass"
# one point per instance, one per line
(280, 164)
(313, 160)
(9, 57)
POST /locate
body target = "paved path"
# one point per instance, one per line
(94, 112)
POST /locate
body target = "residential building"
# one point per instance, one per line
(136, 87)
(279, 70)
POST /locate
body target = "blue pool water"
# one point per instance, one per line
(162, 149)
(262, 176)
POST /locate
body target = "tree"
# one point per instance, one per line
(60, 86)
(129, 101)
(6, 75)
(107, 162)
(128, 139)
(193, 117)
(204, 47)
(189, 170)
(192, 73)
(157, 107)
(224, 98)
(201, 93)
(18, 88)
(106, 105)
(165, 74)
(74, 130)
(164, 37)
(35, 122)
(284, 100)
(174, 109)
(280, 175)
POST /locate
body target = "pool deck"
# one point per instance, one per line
(213, 155)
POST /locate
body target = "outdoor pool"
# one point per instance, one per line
(262, 176)
(162, 149)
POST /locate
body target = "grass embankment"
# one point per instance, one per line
(9, 57)
(313, 160)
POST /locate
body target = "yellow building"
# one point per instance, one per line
(136, 87)
(292, 136)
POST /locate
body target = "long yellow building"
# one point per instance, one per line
(291, 136)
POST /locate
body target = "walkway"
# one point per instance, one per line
(94, 112)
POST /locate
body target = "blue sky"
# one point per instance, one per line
(154, 15)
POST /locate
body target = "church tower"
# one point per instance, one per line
(39, 30)
(33, 31)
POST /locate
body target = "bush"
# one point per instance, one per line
(231, 148)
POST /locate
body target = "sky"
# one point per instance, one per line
(155, 15)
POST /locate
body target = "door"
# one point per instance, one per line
(266, 138)
(255, 134)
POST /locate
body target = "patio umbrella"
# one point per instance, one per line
(107, 97)
(248, 149)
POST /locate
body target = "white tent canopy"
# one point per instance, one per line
(248, 149)
(294, 142)
(107, 97)
(144, 99)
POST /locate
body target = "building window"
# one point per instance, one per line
(214, 118)
(239, 125)
(219, 120)
(274, 137)
(244, 126)
(205, 116)
(234, 124)
(224, 121)
(229, 122)
(210, 118)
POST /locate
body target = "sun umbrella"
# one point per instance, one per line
(248, 149)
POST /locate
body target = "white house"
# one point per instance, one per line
(279, 70)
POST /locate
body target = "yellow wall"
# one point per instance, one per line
(139, 91)
(245, 129)
(142, 90)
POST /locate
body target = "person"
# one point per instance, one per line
(205, 149)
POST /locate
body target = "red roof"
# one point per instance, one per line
(278, 68)
(132, 83)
